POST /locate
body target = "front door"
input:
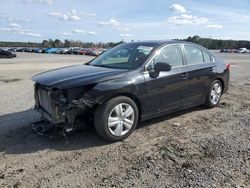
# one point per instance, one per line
(164, 92)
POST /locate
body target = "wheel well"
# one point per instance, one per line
(132, 97)
(222, 83)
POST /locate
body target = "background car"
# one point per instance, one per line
(83, 51)
(20, 50)
(74, 51)
(224, 50)
(242, 50)
(7, 54)
(12, 49)
(231, 50)
(63, 50)
(51, 50)
(94, 51)
(28, 49)
(37, 50)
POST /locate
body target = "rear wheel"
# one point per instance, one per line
(116, 119)
(214, 94)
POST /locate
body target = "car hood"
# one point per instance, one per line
(77, 75)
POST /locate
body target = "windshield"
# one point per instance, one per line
(124, 56)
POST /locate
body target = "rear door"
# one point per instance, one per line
(200, 70)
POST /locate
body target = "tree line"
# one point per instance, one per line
(206, 42)
(219, 43)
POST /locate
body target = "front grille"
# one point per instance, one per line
(45, 100)
(47, 103)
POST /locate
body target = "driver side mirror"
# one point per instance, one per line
(162, 67)
(158, 67)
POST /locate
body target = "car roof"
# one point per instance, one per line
(163, 42)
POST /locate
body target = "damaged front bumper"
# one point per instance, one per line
(59, 110)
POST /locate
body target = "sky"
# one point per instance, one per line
(116, 20)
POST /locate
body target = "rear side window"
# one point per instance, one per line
(206, 57)
(193, 55)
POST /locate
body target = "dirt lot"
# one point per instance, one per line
(193, 148)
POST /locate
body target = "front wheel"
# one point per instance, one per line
(116, 119)
(214, 95)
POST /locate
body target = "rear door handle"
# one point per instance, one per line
(184, 76)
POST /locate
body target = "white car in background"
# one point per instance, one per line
(242, 50)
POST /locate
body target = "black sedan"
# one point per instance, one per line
(7, 54)
(130, 83)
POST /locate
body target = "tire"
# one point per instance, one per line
(214, 95)
(112, 126)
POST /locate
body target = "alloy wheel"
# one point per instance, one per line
(215, 93)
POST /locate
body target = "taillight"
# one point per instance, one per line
(228, 66)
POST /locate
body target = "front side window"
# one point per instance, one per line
(171, 54)
(193, 55)
(124, 56)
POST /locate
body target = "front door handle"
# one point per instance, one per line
(184, 76)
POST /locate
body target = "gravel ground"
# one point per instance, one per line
(193, 148)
